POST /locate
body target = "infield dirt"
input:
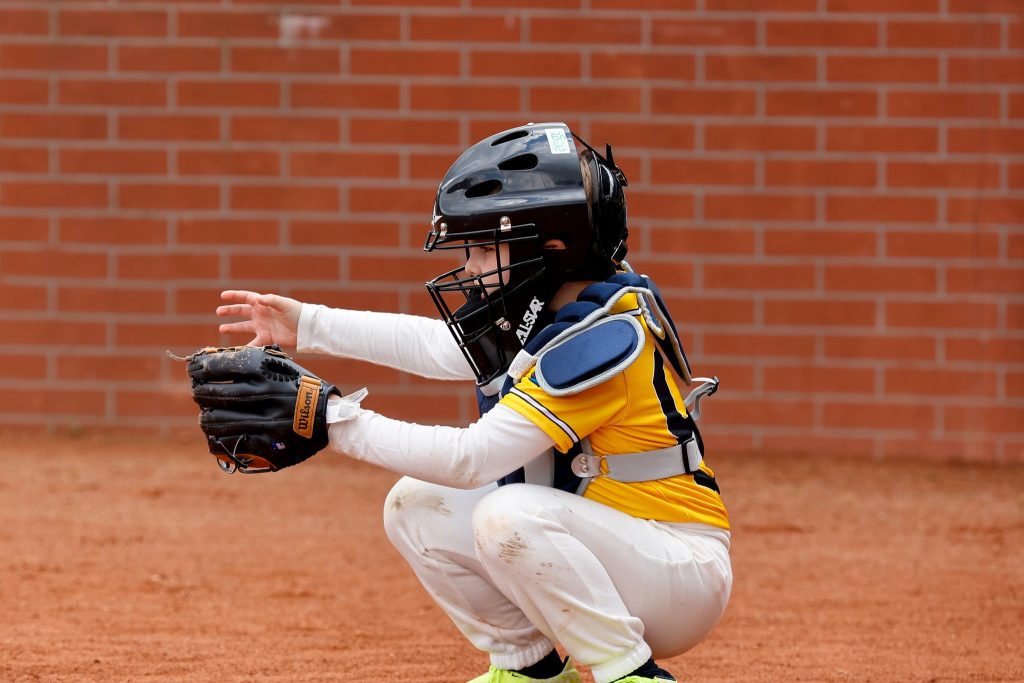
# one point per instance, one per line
(125, 561)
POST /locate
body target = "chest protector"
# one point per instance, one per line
(587, 345)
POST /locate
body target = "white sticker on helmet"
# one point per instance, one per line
(557, 141)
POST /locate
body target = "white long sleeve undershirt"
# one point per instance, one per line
(410, 343)
(498, 443)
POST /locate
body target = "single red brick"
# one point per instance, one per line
(830, 33)
(54, 126)
(285, 198)
(286, 128)
(986, 349)
(324, 164)
(714, 310)
(405, 131)
(109, 366)
(204, 23)
(112, 23)
(979, 69)
(177, 127)
(40, 333)
(754, 138)
(873, 69)
(225, 162)
(46, 195)
(168, 197)
(168, 58)
(405, 62)
(308, 60)
(942, 244)
(227, 231)
(881, 346)
(997, 418)
(814, 378)
(392, 200)
(879, 415)
(759, 277)
(986, 140)
(884, 6)
(348, 233)
(759, 207)
(703, 171)
(669, 136)
(116, 230)
(680, 101)
(612, 63)
(779, 412)
(23, 22)
(945, 105)
(335, 95)
(819, 103)
(819, 313)
(872, 208)
(944, 174)
(53, 402)
(469, 97)
(532, 64)
(114, 93)
(104, 160)
(815, 173)
(1005, 210)
(161, 336)
(53, 263)
(841, 278)
(943, 34)
(585, 29)
(459, 28)
(704, 32)
(760, 67)
(167, 266)
(761, 5)
(286, 267)
(22, 298)
(24, 91)
(221, 93)
(819, 242)
(671, 205)
(597, 99)
(53, 57)
(111, 300)
(870, 138)
(941, 315)
(29, 366)
(24, 160)
(701, 239)
(757, 345)
(987, 280)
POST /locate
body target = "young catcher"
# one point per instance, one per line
(578, 510)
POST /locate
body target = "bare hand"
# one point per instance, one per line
(271, 318)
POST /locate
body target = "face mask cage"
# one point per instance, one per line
(478, 309)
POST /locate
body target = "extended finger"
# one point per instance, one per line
(241, 310)
(241, 296)
(244, 326)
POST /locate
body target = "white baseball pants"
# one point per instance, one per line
(520, 567)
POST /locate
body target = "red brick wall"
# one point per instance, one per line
(830, 192)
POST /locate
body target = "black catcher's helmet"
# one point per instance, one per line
(523, 187)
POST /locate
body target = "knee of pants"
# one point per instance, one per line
(508, 521)
(409, 506)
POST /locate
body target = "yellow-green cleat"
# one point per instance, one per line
(644, 679)
(495, 675)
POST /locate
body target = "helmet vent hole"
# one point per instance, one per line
(523, 162)
(514, 135)
(484, 189)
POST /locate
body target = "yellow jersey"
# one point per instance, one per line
(639, 409)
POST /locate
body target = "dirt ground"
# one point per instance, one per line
(121, 563)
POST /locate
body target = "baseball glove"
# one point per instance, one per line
(260, 410)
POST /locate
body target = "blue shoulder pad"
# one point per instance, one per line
(591, 356)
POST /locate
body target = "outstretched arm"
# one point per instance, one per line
(500, 442)
(410, 343)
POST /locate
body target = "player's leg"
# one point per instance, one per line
(431, 526)
(613, 589)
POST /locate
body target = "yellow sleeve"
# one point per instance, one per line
(568, 419)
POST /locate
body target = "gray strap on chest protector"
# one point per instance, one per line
(663, 463)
